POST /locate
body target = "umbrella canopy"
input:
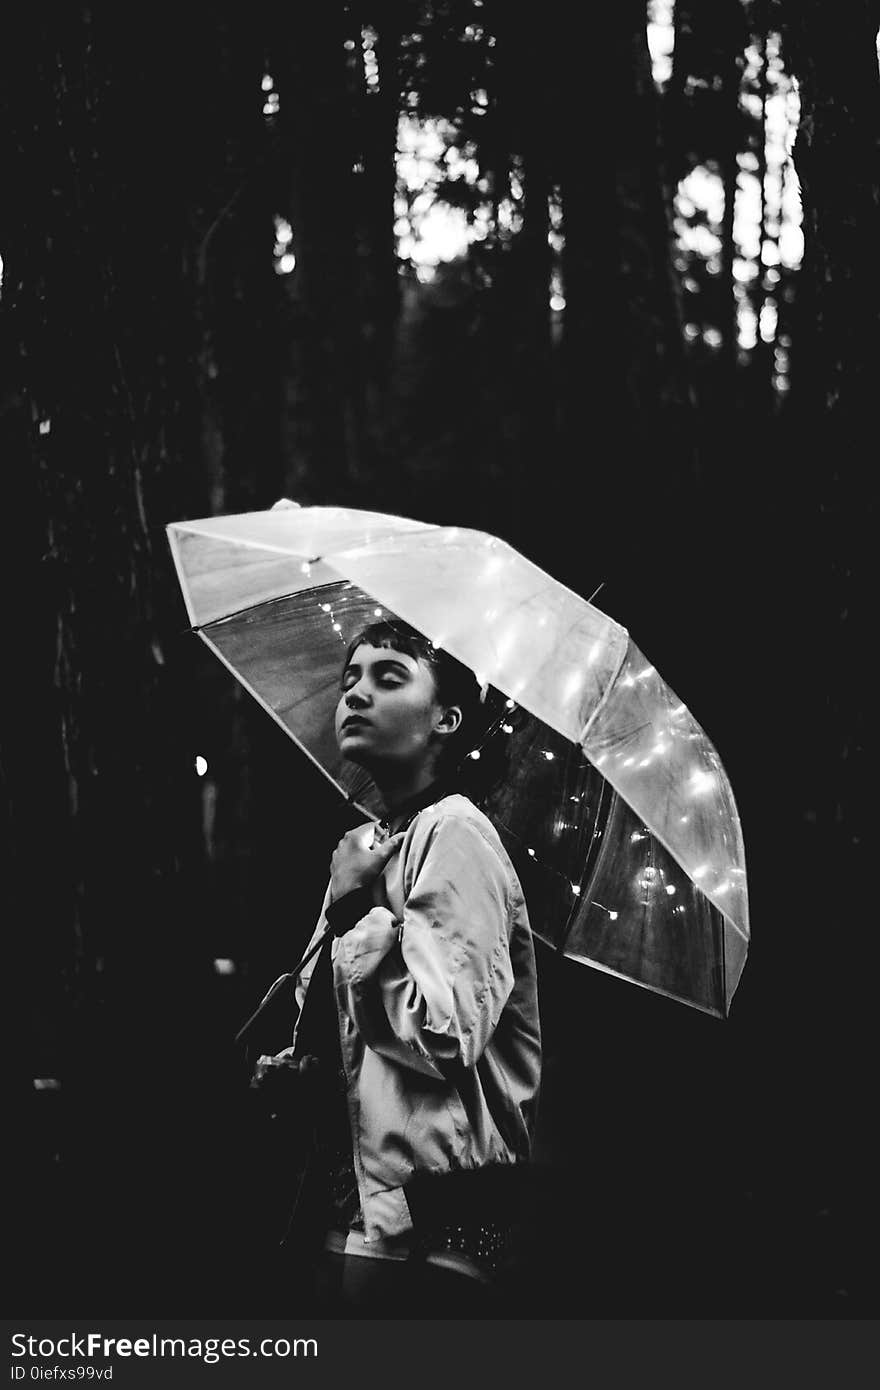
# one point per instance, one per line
(618, 811)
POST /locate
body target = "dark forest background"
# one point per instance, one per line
(158, 364)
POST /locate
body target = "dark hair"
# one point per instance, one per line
(482, 711)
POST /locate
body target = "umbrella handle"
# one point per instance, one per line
(279, 984)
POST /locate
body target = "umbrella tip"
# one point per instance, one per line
(282, 504)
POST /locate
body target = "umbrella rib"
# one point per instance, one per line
(605, 696)
(280, 722)
(605, 790)
(255, 608)
(548, 868)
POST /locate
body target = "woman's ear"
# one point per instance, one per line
(450, 720)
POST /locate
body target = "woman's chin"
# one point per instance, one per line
(354, 750)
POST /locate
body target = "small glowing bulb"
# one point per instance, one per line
(306, 567)
(575, 888)
(474, 754)
(670, 889)
(325, 607)
(201, 766)
(531, 852)
(549, 756)
(377, 612)
(613, 916)
(507, 728)
(511, 704)
(336, 627)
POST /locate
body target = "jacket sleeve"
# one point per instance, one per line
(429, 991)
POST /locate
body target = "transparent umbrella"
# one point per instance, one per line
(617, 811)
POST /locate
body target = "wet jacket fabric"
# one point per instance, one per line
(436, 999)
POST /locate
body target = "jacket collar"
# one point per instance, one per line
(410, 808)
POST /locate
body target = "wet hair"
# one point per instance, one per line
(482, 710)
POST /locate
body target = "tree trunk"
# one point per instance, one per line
(322, 437)
(834, 388)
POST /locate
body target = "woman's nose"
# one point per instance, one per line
(354, 697)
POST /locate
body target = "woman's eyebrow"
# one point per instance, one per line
(392, 661)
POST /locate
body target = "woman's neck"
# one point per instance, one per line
(399, 792)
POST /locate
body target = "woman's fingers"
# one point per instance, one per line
(385, 850)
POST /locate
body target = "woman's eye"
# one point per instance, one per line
(389, 680)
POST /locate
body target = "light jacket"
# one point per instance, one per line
(438, 1014)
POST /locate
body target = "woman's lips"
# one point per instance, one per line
(354, 721)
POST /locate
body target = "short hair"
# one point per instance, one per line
(482, 708)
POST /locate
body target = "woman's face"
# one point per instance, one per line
(388, 712)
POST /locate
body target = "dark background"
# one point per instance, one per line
(157, 366)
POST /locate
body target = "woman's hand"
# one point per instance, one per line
(357, 860)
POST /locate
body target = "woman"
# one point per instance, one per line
(426, 996)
